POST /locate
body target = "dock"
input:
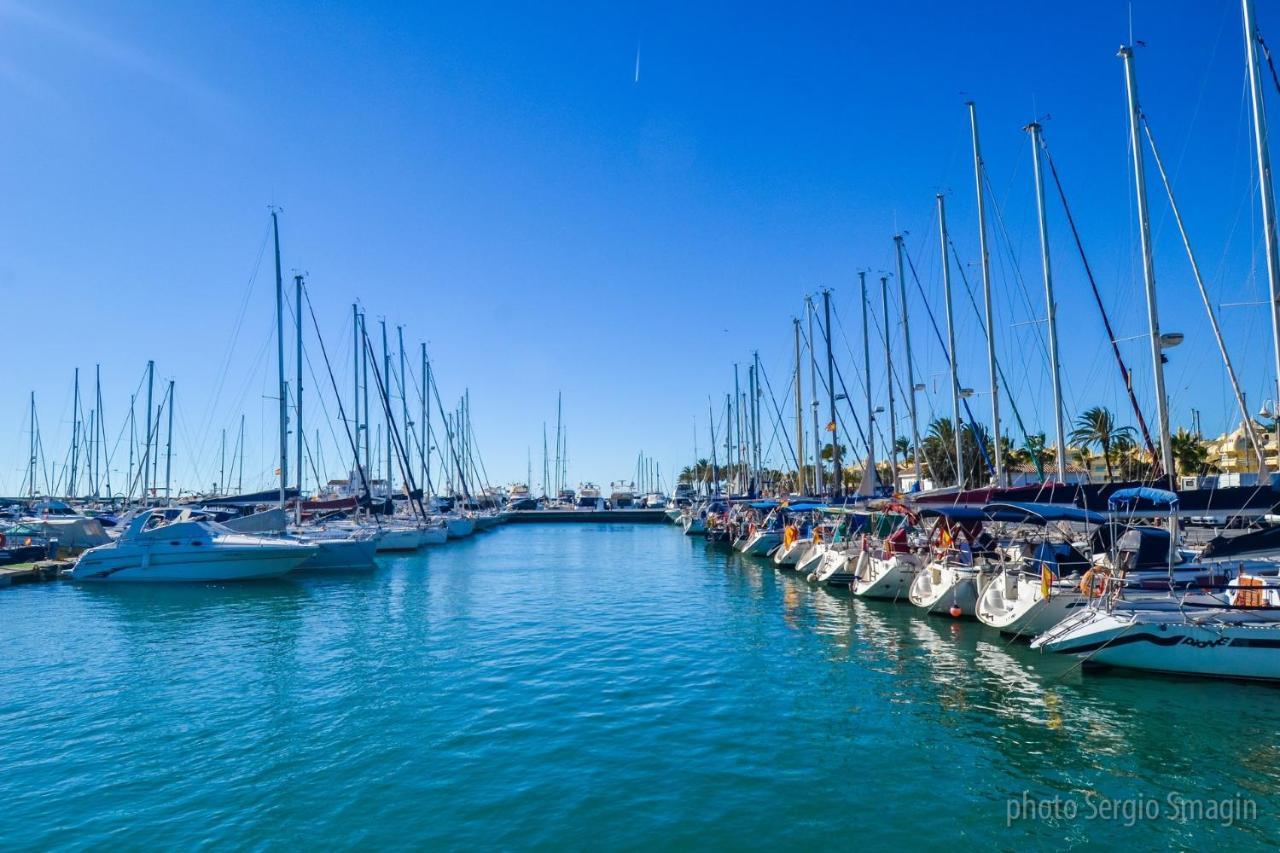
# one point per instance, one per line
(587, 516)
(41, 570)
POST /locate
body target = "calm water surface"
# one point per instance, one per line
(587, 687)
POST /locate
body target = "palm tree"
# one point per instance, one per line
(686, 474)
(1189, 453)
(1097, 426)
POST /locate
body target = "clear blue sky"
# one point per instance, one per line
(493, 177)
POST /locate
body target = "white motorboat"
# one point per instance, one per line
(655, 500)
(189, 548)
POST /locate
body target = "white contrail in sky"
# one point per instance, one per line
(637, 62)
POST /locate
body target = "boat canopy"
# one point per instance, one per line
(804, 507)
(1032, 513)
(1267, 539)
(1126, 497)
(955, 513)
(764, 504)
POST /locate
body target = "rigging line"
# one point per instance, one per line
(1204, 296)
(392, 432)
(1125, 375)
(933, 321)
(778, 422)
(1266, 51)
(999, 370)
(235, 337)
(1017, 269)
(804, 337)
(774, 437)
(826, 333)
(342, 415)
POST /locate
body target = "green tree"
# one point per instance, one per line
(1096, 427)
(1190, 456)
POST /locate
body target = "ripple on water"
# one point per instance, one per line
(581, 687)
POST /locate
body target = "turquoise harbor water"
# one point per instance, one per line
(589, 688)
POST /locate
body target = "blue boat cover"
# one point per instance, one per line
(955, 513)
(1159, 497)
(807, 506)
(1033, 513)
(764, 504)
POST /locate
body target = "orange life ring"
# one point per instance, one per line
(1094, 582)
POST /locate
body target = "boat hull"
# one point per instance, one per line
(888, 579)
(937, 589)
(341, 555)
(155, 565)
(1226, 644)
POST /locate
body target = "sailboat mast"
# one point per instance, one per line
(813, 385)
(911, 375)
(837, 486)
(297, 392)
(951, 342)
(1266, 193)
(426, 429)
(386, 373)
(1148, 263)
(146, 456)
(355, 396)
(168, 452)
(364, 384)
(284, 403)
(31, 458)
(866, 375)
(240, 479)
(888, 372)
(133, 439)
(978, 169)
(75, 436)
(800, 478)
(404, 404)
(1051, 307)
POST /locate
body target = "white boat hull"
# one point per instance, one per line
(788, 557)
(432, 535)
(398, 539)
(1220, 644)
(694, 525)
(761, 543)
(156, 565)
(940, 588)
(889, 579)
(459, 527)
(341, 555)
